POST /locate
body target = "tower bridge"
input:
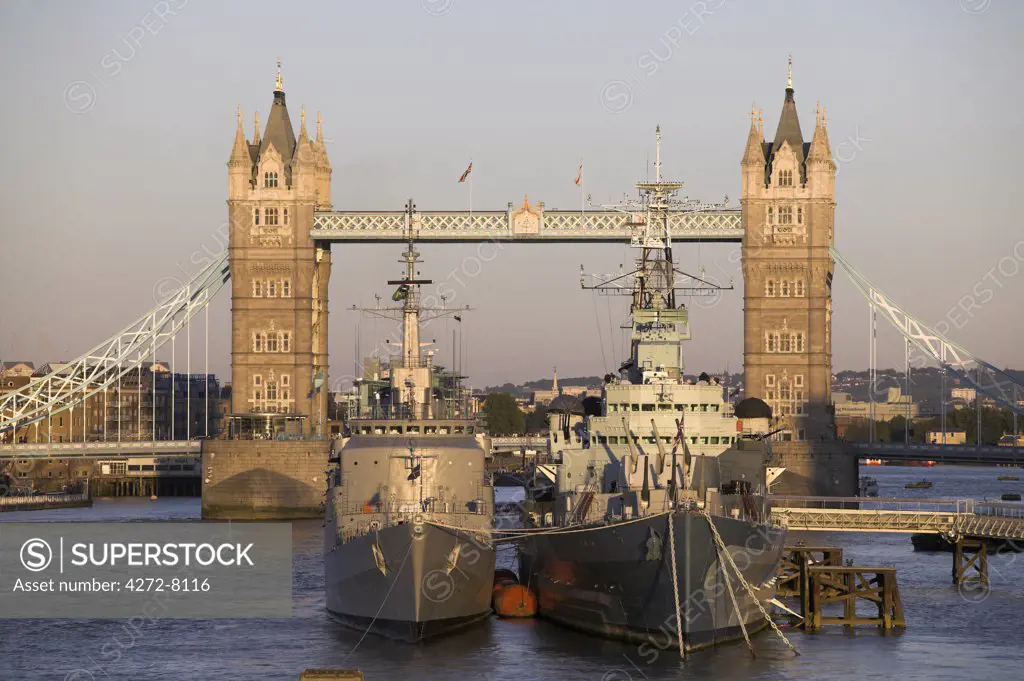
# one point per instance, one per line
(282, 227)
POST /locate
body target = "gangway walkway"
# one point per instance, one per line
(952, 518)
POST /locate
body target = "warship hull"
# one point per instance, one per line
(616, 580)
(423, 581)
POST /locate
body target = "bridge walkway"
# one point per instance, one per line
(953, 518)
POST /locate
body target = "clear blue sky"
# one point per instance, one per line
(102, 203)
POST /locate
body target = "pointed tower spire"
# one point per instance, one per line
(820, 149)
(319, 128)
(240, 149)
(554, 381)
(753, 154)
(279, 132)
(256, 128)
(789, 123)
(302, 122)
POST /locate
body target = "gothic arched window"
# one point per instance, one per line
(270, 179)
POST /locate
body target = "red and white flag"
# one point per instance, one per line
(579, 176)
(469, 169)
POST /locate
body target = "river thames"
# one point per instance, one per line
(949, 636)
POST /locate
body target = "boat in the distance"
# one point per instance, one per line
(867, 486)
(920, 484)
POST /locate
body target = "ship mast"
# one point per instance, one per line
(412, 378)
(411, 288)
(659, 323)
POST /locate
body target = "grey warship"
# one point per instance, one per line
(407, 549)
(660, 530)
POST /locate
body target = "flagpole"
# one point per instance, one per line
(471, 189)
(583, 205)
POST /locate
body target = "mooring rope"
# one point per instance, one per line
(746, 585)
(675, 585)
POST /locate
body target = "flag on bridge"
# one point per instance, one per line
(469, 169)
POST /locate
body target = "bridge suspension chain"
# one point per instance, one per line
(70, 385)
(952, 357)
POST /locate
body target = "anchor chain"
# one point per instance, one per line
(746, 585)
(675, 584)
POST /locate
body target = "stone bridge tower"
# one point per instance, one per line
(279, 276)
(788, 206)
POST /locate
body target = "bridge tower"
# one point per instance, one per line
(788, 211)
(279, 275)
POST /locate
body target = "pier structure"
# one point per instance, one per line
(282, 227)
(965, 523)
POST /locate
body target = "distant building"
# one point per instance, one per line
(952, 437)
(137, 406)
(545, 396)
(963, 397)
(895, 404)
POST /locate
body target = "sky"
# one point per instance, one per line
(118, 120)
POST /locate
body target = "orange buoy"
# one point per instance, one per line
(505, 575)
(515, 600)
(498, 586)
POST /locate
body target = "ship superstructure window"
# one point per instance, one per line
(270, 179)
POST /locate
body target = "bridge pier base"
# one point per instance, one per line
(970, 562)
(264, 479)
(821, 468)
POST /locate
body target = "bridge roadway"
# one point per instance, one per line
(984, 454)
(948, 517)
(88, 450)
(525, 224)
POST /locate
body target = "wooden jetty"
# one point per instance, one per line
(817, 577)
(331, 675)
(849, 585)
(794, 561)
